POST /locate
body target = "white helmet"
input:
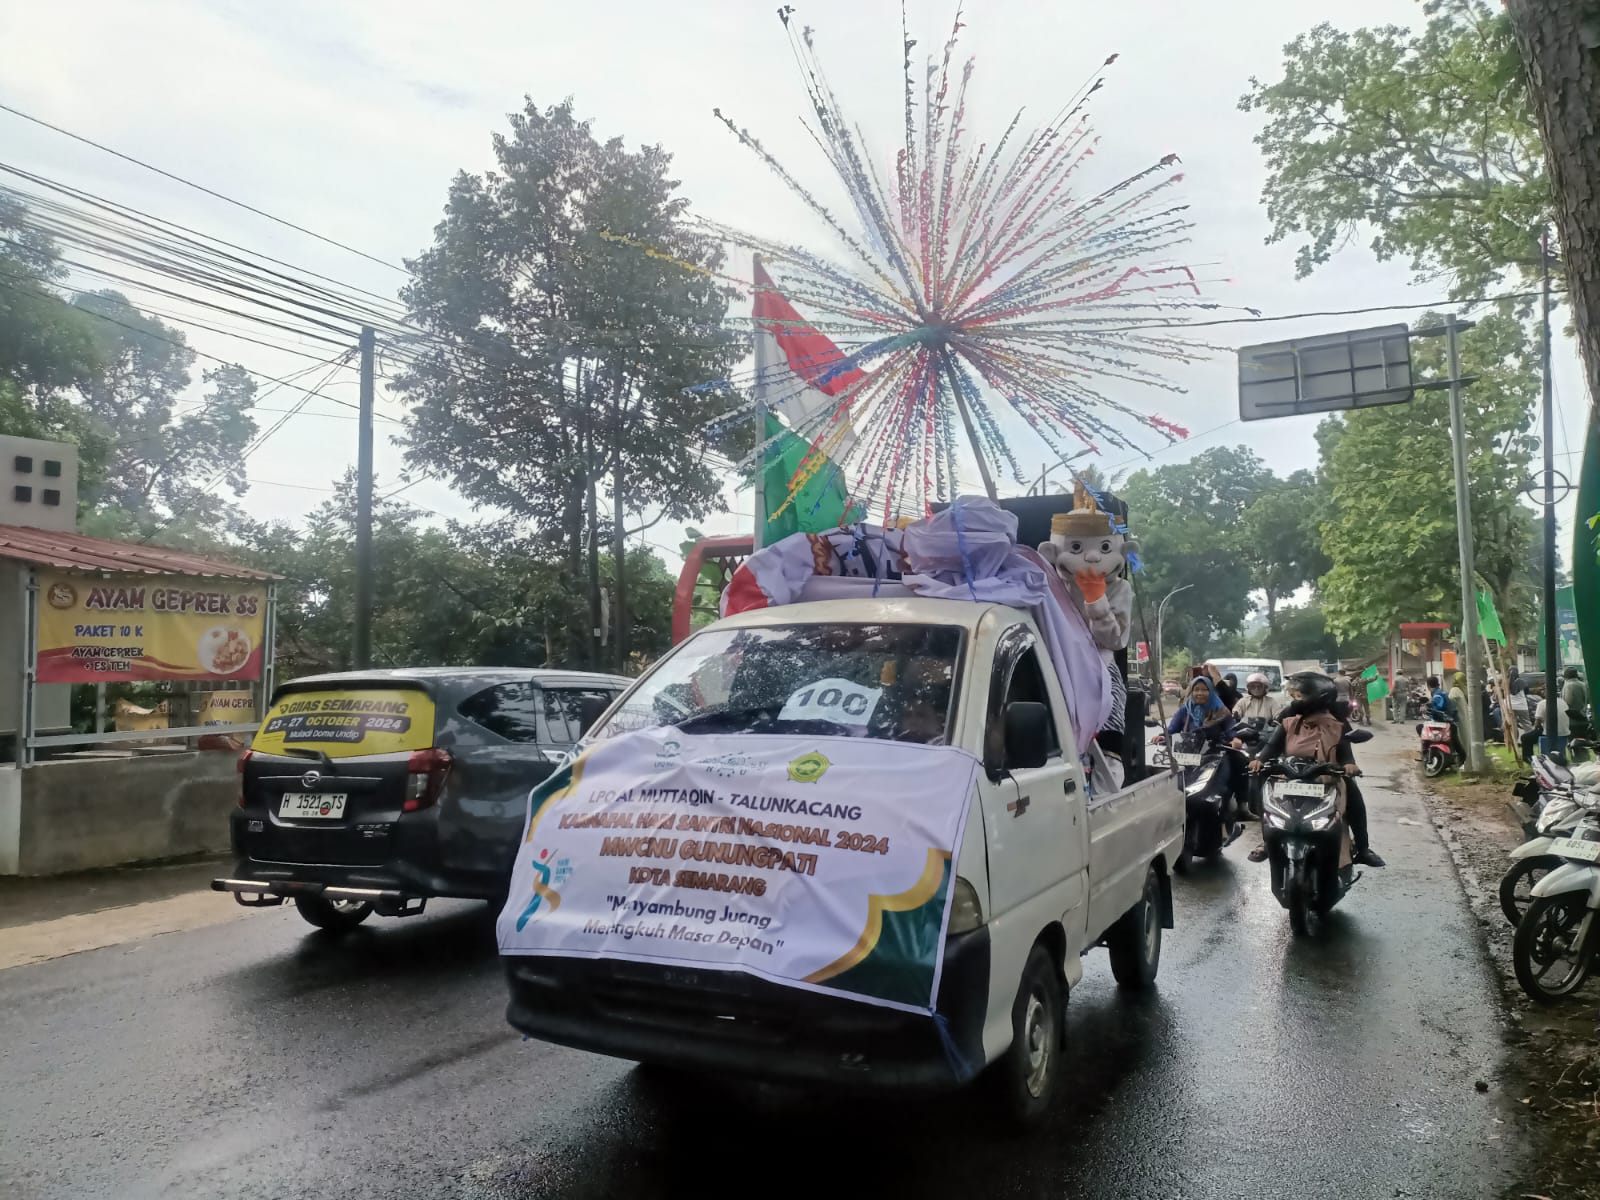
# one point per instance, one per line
(1256, 677)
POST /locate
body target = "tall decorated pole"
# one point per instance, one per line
(977, 291)
(759, 410)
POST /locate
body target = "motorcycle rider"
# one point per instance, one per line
(1204, 712)
(1312, 728)
(1439, 706)
(1575, 700)
(1254, 705)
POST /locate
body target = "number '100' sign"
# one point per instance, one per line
(836, 700)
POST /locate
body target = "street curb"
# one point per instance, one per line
(1485, 905)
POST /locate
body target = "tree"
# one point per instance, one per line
(1424, 139)
(1390, 524)
(1186, 517)
(1281, 540)
(1559, 41)
(97, 372)
(569, 306)
(1301, 632)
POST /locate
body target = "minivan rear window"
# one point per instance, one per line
(347, 723)
(511, 711)
(507, 710)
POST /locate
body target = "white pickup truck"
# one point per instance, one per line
(1044, 871)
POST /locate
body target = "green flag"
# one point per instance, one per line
(1377, 689)
(1489, 620)
(1370, 673)
(819, 504)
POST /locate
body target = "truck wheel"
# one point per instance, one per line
(336, 916)
(1025, 1077)
(1135, 940)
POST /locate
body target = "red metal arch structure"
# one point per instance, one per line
(725, 554)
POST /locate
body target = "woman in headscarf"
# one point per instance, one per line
(1458, 701)
(1203, 711)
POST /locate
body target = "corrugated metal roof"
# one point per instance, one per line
(75, 552)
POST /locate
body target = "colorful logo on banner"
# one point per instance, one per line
(826, 872)
(137, 627)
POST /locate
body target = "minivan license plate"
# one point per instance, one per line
(306, 806)
(1576, 848)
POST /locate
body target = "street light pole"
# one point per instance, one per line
(1161, 658)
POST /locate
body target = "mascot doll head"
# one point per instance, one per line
(1087, 547)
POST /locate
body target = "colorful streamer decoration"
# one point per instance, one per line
(984, 289)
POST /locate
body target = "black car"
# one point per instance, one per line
(374, 791)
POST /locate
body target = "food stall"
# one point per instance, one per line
(78, 610)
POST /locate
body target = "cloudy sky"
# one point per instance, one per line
(350, 119)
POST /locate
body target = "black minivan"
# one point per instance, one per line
(374, 791)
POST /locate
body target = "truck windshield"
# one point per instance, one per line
(889, 681)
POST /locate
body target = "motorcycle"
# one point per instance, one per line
(1551, 779)
(1555, 942)
(1559, 816)
(1438, 755)
(1199, 763)
(1256, 733)
(1307, 839)
(1160, 752)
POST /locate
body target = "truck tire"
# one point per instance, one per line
(1025, 1077)
(1135, 940)
(336, 916)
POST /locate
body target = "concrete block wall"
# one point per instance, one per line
(71, 816)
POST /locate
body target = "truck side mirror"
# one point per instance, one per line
(1027, 734)
(591, 709)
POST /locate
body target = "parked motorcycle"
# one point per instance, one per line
(1438, 755)
(1555, 942)
(1307, 839)
(1199, 763)
(1559, 816)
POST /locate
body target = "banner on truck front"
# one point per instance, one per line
(820, 863)
(148, 627)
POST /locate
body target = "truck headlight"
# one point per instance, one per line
(966, 913)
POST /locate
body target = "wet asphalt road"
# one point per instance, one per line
(259, 1059)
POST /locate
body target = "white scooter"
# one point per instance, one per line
(1559, 815)
(1555, 942)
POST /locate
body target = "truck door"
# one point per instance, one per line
(1033, 816)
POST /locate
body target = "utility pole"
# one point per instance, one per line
(1472, 719)
(1552, 645)
(361, 641)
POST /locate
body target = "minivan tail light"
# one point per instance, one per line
(425, 775)
(239, 766)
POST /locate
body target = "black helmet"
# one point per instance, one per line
(1316, 690)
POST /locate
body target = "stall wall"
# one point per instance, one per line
(104, 812)
(52, 701)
